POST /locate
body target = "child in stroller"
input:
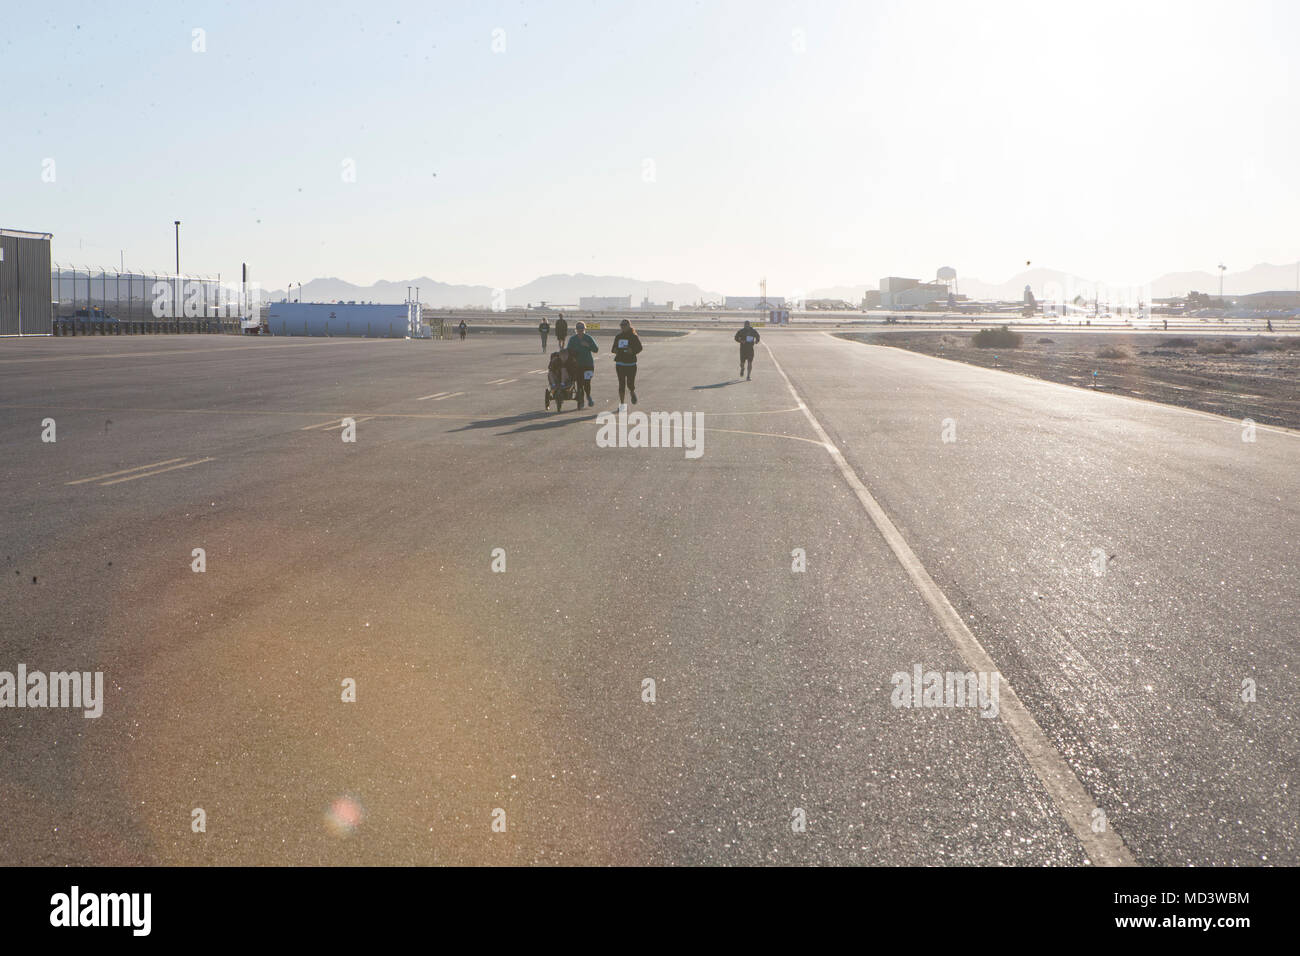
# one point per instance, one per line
(561, 374)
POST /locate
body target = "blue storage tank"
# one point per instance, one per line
(316, 318)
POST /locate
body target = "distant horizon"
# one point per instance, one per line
(1045, 281)
(1210, 280)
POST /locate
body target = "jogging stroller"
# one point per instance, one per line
(561, 375)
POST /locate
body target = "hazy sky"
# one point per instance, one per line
(815, 143)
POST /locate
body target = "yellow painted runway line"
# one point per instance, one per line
(769, 411)
(150, 474)
(733, 431)
(124, 471)
(355, 421)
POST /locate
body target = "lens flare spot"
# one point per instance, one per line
(344, 816)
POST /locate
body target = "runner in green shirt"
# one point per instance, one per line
(582, 347)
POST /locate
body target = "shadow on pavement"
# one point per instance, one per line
(552, 421)
(498, 422)
(734, 381)
(558, 420)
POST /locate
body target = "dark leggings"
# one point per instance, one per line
(747, 358)
(626, 379)
(584, 384)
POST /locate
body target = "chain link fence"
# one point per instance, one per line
(97, 301)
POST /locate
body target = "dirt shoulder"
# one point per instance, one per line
(1248, 376)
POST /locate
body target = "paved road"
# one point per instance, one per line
(522, 690)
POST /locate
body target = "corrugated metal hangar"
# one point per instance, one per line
(24, 282)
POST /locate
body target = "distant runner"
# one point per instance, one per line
(748, 338)
(561, 331)
(626, 347)
(545, 329)
(463, 328)
(582, 347)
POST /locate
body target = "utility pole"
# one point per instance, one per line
(176, 305)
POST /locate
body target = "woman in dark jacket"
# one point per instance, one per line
(626, 347)
(582, 347)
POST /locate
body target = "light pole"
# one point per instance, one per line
(176, 308)
(1222, 268)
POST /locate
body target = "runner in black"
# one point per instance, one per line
(626, 347)
(545, 329)
(561, 331)
(748, 338)
(462, 328)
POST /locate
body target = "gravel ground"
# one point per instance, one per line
(1249, 376)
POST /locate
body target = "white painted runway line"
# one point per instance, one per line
(444, 397)
(124, 471)
(1071, 799)
(333, 422)
(150, 474)
(425, 398)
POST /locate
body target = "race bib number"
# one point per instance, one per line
(749, 339)
(622, 343)
(588, 374)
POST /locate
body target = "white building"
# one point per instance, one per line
(604, 303)
(899, 293)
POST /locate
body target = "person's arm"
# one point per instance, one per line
(594, 347)
(636, 344)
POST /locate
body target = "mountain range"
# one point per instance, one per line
(556, 289)
(567, 289)
(1264, 277)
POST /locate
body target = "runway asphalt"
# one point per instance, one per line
(1128, 569)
